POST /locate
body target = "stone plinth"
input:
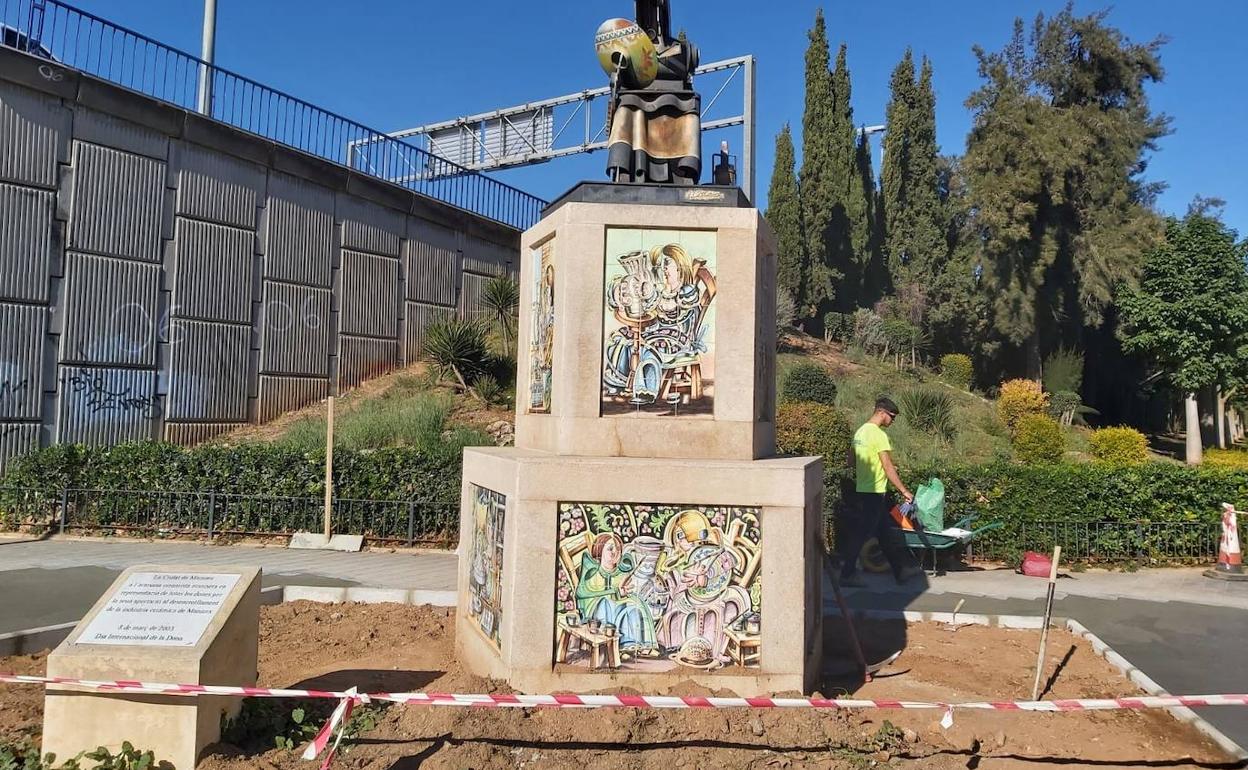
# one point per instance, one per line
(641, 533)
(177, 649)
(570, 264)
(520, 505)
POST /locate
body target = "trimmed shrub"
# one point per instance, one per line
(808, 383)
(1038, 503)
(1120, 446)
(818, 429)
(1038, 440)
(246, 469)
(930, 410)
(1019, 398)
(808, 428)
(1235, 459)
(957, 369)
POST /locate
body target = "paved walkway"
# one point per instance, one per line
(1184, 630)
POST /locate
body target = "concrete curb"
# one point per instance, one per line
(31, 640)
(1148, 685)
(365, 595)
(1103, 650)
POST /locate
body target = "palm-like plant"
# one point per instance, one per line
(457, 345)
(500, 298)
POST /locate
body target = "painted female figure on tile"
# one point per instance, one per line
(485, 571)
(661, 586)
(542, 341)
(658, 349)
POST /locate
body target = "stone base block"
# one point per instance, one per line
(588, 573)
(176, 729)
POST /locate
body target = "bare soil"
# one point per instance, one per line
(399, 648)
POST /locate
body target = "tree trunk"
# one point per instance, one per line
(1195, 452)
(1035, 362)
(1220, 404)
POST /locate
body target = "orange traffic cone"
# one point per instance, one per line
(1230, 564)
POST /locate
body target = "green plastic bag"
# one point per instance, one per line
(929, 501)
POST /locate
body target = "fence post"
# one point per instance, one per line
(212, 512)
(411, 524)
(64, 508)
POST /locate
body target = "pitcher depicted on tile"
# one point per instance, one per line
(485, 576)
(657, 588)
(659, 323)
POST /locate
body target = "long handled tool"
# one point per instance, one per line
(849, 623)
(1048, 616)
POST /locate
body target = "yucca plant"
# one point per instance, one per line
(489, 389)
(458, 346)
(930, 411)
(500, 298)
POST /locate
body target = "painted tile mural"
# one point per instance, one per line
(542, 336)
(485, 578)
(657, 588)
(659, 323)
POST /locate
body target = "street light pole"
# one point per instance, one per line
(208, 54)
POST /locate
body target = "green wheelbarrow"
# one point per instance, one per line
(960, 534)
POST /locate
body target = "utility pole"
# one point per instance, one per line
(208, 55)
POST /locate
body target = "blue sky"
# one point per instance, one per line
(392, 64)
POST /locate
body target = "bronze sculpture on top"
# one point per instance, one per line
(654, 113)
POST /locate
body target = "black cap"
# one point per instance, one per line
(885, 404)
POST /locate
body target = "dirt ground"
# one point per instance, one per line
(398, 648)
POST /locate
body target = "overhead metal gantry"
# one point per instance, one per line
(541, 131)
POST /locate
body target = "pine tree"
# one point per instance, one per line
(818, 196)
(784, 215)
(1057, 144)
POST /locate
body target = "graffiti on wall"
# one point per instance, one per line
(485, 576)
(658, 588)
(659, 323)
(98, 397)
(542, 340)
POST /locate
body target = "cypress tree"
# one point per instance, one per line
(818, 192)
(784, 215)
(851, 241)
(914, 219)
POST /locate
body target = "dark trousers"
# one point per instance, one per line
(864, 516)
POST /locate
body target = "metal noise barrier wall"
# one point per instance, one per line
(162, 278)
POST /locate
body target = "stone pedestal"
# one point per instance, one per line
(642, 533)
(221, 652)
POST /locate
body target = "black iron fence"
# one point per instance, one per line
(1117, 542)
(217, 514)
(58, 32)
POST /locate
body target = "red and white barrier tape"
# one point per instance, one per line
(350, 698)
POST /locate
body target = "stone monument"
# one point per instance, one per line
(642, 531)
(174, 625)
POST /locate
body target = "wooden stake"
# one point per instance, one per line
(1048, 616)
(329, 471)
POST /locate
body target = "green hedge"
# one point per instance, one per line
(1019, 495)
(250, 469)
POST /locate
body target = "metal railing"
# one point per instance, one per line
(216, 514)
(79, 40)
(1139, 542)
